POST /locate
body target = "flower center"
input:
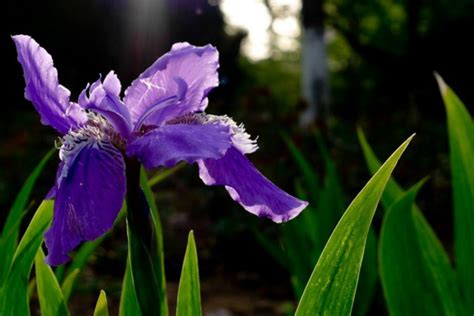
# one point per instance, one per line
(240, 138)
(95, 132)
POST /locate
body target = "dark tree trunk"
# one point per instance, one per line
(315, 83)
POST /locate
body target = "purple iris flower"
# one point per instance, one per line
(159, 122)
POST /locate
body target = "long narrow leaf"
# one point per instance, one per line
(393, 191)
(461, 147)
(416, 274)
(310, 176)
(128, 299)
(145, 250)
(332, 286)
(368, 277)
(10, 232)
(162, 175)
(49, 293)
(101, 308)
(14, 293)
(68, 284)
(189, 293)
(159, 251)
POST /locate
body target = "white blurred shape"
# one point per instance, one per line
(287, 26)
(254, 18)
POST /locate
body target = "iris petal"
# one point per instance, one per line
(187, 72)
(169, 144)
(50, 99)
(247, 186)
(88, 199)
(104, 98)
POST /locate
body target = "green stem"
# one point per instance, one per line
(143, 245)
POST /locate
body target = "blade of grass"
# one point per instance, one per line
(10, 231)
(332, 286)
(393, 191)
(413, 263)
(310, 175)
(189, 293)
(128, 299)
(68, 284)
(330, 204)
(49, 293)
(14, 293)
(461, 150)
(368, 277)
(160, 257)
(145, 244)
(101, 308)
(162, 175)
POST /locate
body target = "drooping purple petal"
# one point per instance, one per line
(104, 98)
(88, 198)
(187, 72)
(50, 99)
(169, 144)
(52, 192)
(247, 186)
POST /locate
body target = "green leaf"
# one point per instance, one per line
(461, 147)
(301, 251)
(332, 286)
(162, 175)
(49, 293)
(330, 203)
(271, 247)
(413, 263)
(368, 277)
(68, 284)
(310, 175)
(189, 294)
(128, 299)
(159, 251)
(10, 232)
(145, 245)
(14, 293)
(101, 306)
(393, 191)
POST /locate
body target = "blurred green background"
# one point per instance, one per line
(376, 73)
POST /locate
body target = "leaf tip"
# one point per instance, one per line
(191, 235)
(441, 84)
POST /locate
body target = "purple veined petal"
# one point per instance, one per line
(187, 71)
(155, 111)
(247, 186)
(104, 98)
(50, 99)
(169, 144)
(120, 120)
(52, 192)
(112, 84)
(88, 199)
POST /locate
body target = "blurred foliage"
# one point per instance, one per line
(381, 56)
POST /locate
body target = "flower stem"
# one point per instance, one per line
(145, 263)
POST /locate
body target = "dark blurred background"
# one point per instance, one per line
(287, 66)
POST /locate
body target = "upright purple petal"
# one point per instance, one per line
(50, 99)
(104, 98)
(169, 144)
(187, 72)
(89, 195)
(247, 186)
